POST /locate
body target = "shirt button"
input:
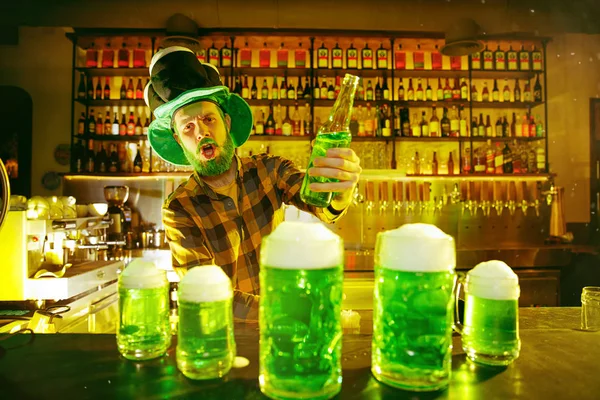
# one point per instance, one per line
(229, 203)
(251, 254)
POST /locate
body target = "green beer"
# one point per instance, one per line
(301, 281)
(413, 307)
(205, 342)
(490, 334)
(334, 133)
(143, 330)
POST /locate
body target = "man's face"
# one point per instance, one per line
(202, 130)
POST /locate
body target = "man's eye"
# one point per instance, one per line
(210, 120)
(189, 126)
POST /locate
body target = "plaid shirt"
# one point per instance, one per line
(204, 227)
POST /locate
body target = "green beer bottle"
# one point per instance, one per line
(333, 133)
(301, 276)
(143, 331)
(205, 342)
(412, 309)
(490, 334)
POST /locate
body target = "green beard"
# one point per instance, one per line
(217, 165)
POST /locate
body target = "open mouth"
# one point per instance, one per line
(208, 151)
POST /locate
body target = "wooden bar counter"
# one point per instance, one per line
(557, 361)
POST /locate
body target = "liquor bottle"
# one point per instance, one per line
(81, 124)
(282, 56)
(474, 94)
(397, 126)
(324, 89)
(428, 92)
(108, 57)
(506, 91)
(308, 126)
(419, 94)
(331, 90)
(400, 58)
(300, 57)
(405, 122)
(264, 90)
(464, 89)
(245, 56)
(278, 120)
(201, 54)
(378, 91)
(434, 164)
(436, 59)
(382, 58)
(475, 127)
(424, 128)
(115, 126)
(139, 57)
(524, 62)
(495, 92)
(137, 161)
(213, 55)
(410, 93)
(489, 132)
(283, 89)
(286, 128)
(98, 92)
(91, 57)
(450, 164)
(307, 91)
(490, 156)
(401, 94)
(139, 90)
(81, 92)
(90, 159)
(275, 89)
(296, 123)
(291, 91)
(445, 123)
(106, 90)
(322, 56)
(539, 128)
(254, 90)
(101, 162)
(531, 161)
(513, 60)
(479, 161)
(385, 89)
(447, 91)
(113, 161)
(260, 124)
(481, 126)
(107, 124)
(507, 167)
(536, 59)
(245, 88)
(537, 89)
(138, 127)
(237, 87)
(129, 93)
(91, 123)
(488, 59)
(90, 88)
(505, 127)
(418, 59)
(123, 57)
(100, 125)
(500, 59)
(369, 92)
(439, 95)
(532, 127)
(415, 127)
(299, 90)
(527, 92)
(367, 57)
(131, 124)
(386, 126)
(351, 57)
(455, 63)
(517, 91)
(540, 158)
(498, 128)
(485, 94)
(417, 163)
(513, 126)
(434, 124)
(123, 126)
(337, 59)
(369, 122)
(270, 123)
(226, 56)
(456, 90)
(463, 128)
(476, 61)
(498, 160)
(524, 131)
(146, 127)
(454, 123)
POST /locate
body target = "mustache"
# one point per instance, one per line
(204, 142)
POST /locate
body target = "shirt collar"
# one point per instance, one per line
(204, 188)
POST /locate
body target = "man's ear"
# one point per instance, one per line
(176, 137)
(228, 122)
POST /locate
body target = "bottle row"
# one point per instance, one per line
(489, 158)
(107, 57)
(373, 58)
(87, 91)
(93, 125)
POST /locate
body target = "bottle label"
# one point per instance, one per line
(286, 129)
(323, 58)
(352, 58)
(419, 95)
(536, 59)
(436, 60)
(108, 58)
(213, 57)
(300, 58)
(527, 96)
(454, 125)
(369, 125)
(495, 95)
(367, 59)
(91, 58)
(476, 60)
(512, 61)
(245, 57)
(500, 61)
(488, 60)
(282, 58)
(456, 63)
(416, 130)
(400, 60)
(464, 93)
(434, 128)
(428, 94)
(382, 58)
(336, 58)
(264, 58)
(425, 130)
(245, 93)
(270, 130)
(524, 60)
(463, 127)
(226, 57)
(418, 60)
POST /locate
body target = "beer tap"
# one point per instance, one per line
(370, 196)
(398, 193)
(498, 202)
(522, 196)
(486, 204)
(511, 196)
(412, 196)
(426, 204)
(455, 195)
(383, 197)
(535, 195)
(465, 192)
(474, 194)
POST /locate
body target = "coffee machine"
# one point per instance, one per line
(118, 213)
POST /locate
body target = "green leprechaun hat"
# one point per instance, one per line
(178, 78)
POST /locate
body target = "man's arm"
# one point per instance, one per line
(188, 250)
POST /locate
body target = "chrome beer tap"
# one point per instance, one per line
(383, 197)
(398, 193)
(370, 197)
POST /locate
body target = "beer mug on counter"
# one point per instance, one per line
(301, 277)
(413, 307)
(143, 331)
(205, 341)
(490, 334)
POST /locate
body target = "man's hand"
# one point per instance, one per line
(342, 164)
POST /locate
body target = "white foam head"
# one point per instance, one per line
(302, 245)
(142, 274)
(203, 284)
(415, 248)
(493, 280)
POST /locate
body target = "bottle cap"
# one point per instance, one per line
(206, 283)
(493, 280)
(142, 274)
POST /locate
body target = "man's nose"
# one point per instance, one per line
(202, 130)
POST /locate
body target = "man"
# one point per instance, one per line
(220, 215)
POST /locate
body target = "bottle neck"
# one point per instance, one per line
(339, 118)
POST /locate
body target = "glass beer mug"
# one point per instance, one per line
(412, 307)
(490, 333)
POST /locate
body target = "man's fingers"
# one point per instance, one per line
(339, 163)
(331, 186)
(334, 173)
(345, 153)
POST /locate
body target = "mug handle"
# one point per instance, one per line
(460, 282)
